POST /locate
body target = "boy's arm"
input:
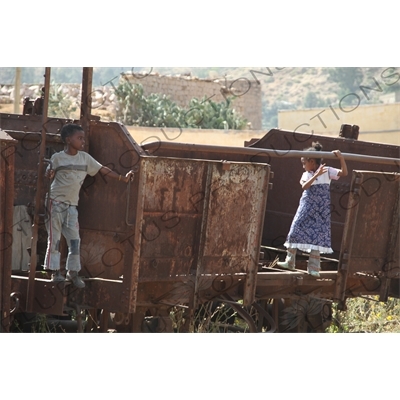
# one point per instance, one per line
(50, 173)
(50, 170)
(105, 171)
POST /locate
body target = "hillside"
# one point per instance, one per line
(307, 87)
(283, 88)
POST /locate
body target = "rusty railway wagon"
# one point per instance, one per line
(198, 227)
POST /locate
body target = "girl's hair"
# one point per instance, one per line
(69, 130)
(315, 147)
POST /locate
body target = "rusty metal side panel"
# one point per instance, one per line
(234, 222)
(199, 217)
(103, 200)
(371, 232)
(50, 297)
(102, 255)
(169, 217)
(30, 123)
(100, 294)
(7, 150)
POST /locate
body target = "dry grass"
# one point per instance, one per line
(367, 315)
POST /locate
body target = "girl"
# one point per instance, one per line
(311, 226)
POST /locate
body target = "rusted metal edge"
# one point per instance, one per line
(249, 294)
(6, 223)
(392, 246)
(4, 135)
(33, 136)
(203, 230)
(258, 152)
(132, 276)
(348, 237)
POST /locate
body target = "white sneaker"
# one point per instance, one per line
(285, 265)
(75, 279)
(56, 276)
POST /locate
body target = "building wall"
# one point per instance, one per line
(378, 123)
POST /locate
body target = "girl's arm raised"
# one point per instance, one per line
(343, 171)
(323, 169)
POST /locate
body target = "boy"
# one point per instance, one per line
(69, 169)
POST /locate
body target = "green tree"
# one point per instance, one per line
(311, 100)
(270, 112)
(348, 78)
(348, 81)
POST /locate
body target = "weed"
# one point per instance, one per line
(367, 315)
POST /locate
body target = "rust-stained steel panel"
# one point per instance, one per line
(30, 123)
(102, 256)
(50, 297)
(371, 232)
(7, 150)
(103, 200)
(293, 285)
(100, 294)
(198, 217)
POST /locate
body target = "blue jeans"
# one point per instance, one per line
(62, 219)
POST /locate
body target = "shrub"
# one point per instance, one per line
(158, 110)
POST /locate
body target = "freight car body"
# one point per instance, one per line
(364, 213)
(175, 236)
(190, 228)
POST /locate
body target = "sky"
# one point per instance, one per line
(202, 34)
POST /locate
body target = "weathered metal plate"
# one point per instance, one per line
(292, 285)
(7, 151)
(50, 297)
(101, 255)
(100, 294)
(197, 217)
(371, 232)
(370, 240)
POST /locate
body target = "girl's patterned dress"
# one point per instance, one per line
(311, 226)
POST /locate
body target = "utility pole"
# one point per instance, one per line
(17, 89)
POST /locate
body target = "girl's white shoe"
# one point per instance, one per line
(285, 265)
